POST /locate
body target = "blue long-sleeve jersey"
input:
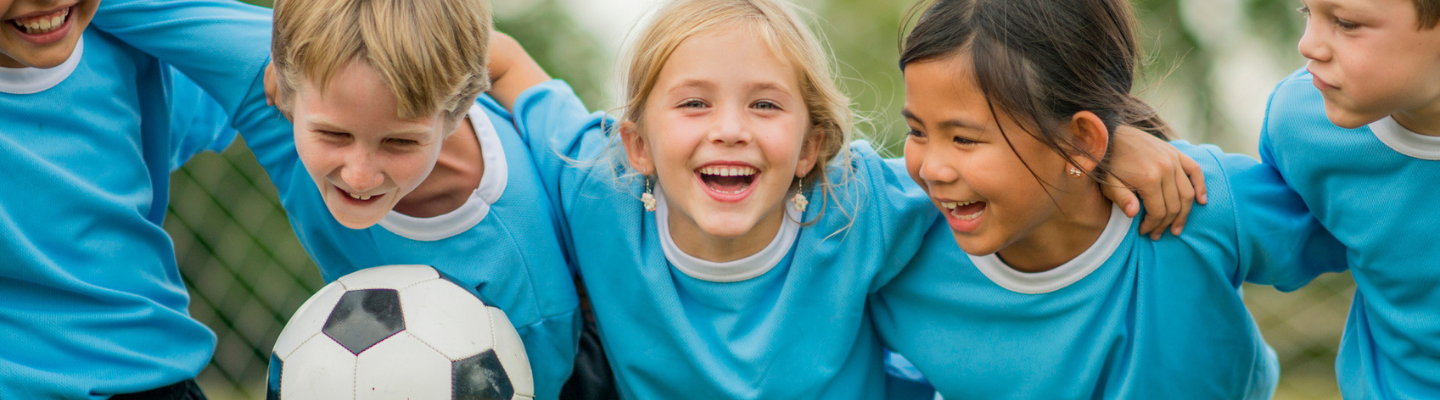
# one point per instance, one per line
(788, 323)
(1374, 188)
(1129, 318)
(503, 241)
(93, 302)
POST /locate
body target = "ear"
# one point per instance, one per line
(637, 149)
(273, 95)
(1091, 136)
(809, 152)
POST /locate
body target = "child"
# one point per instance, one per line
(94, 305)
(1054, 296)
(1357, 135)
(734, 256)
(391, 158)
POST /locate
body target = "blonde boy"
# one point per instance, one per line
(1357, 135)
(391, 158)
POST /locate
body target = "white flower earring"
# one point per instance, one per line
(648, 198)
(800, 201)
(1075, 172)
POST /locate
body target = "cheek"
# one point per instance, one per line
(317, 157)
(409, 170)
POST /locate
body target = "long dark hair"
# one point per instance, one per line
(1042, 61)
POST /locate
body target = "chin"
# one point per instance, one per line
(354, 221)
(1348, 119)
(728, 228)
(975, 246)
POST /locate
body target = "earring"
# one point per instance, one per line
(800, 201)
(648, 198)
(1075, 172)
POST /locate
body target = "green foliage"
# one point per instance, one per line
(567, 52)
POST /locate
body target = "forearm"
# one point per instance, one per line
(512, 70)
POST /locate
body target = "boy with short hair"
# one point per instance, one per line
(90, 130)
(1357, 135)
(391, 158)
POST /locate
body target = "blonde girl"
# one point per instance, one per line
(734, 257)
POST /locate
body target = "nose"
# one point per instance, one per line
(731, 128)
(936, 167)
(1311, 46)
(362, 171)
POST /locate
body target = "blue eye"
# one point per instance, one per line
(766, 105)
(692, 103)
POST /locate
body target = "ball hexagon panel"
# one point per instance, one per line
(447, 318)
(307, 320)
(364, 317)
(388, 277)
(511, 352)
(319, 369)
(402, 367)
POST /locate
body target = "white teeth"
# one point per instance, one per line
(728, 171)
(955, 204)
(43, 24)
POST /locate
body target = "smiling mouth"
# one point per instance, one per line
(964, 210)
(359, 198)
(728, 179)
(42, 24)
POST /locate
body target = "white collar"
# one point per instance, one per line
(35, 80)
(492, 185)
(732, 271)
(1405, 141)
(1066, 274)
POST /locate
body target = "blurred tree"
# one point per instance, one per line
(565, 50)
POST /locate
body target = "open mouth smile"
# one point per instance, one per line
(358, 199)
(44, 28)
(963, 216)
(727, 182)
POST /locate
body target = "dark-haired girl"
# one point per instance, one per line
(1050, 294)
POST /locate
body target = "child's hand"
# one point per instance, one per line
(1165, 179)
(512, 71)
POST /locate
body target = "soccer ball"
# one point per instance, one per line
(398, 332)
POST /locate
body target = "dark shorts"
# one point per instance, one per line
(184, 390)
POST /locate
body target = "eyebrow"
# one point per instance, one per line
(949, 123)
(325, 125)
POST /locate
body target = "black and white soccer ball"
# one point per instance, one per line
(398, 332)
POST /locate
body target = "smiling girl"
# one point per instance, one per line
(1054, 296)
(734, 256)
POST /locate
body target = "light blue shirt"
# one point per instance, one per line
(1129, 318)
(787, 323)
(1375, 187)
(93, 302)
(503, 242)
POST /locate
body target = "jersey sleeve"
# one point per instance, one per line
(891, 208)
(551, 338)
(197, 122)
(1278, 242)
(565, 140)
(223, 46)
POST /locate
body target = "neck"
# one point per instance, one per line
(1424, 120)
(1075, 226)
(694, 241)
(456, 175)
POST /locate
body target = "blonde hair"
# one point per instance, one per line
(431, 53)
(782, 30)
